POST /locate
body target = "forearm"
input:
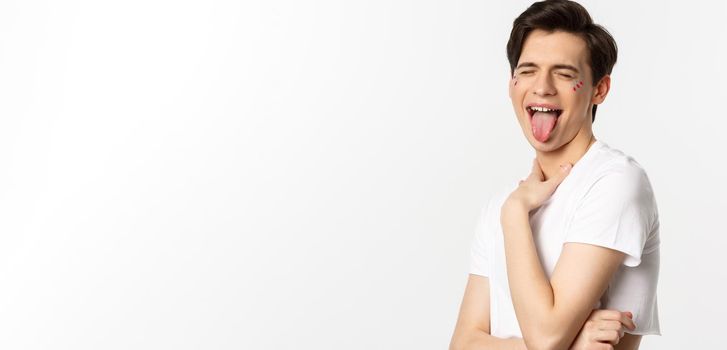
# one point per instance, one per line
(532, 293)
(479, 340)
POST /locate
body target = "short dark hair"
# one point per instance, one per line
(571, 17)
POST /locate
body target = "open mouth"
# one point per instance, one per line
(532, 109)
(543, 119)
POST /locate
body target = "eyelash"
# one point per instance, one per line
(563, 75)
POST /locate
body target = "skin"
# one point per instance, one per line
(552, 313)
(546, 84)
(473, 325)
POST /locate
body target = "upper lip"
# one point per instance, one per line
(545, 105)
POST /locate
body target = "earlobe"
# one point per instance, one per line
(601, 90)
(597, 98)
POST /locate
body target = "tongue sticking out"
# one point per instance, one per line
(543, 124)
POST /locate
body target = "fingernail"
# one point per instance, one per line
(630, 314)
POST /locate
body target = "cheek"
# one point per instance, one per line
(513, 83)
(577, 86)
(517, 86)
(512, 88)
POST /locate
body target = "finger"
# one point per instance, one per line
(562, 173)
(607, 314)
(610, 336)
(608, 325)
(599, 346)
(565, 168)
(627, 321)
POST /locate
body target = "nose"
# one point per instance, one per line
(544, 85)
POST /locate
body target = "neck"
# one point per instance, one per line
(569, 153)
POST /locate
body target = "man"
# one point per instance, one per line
(581, 232)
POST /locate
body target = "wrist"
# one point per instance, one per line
(514, 206)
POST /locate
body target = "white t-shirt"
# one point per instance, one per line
(605, 200)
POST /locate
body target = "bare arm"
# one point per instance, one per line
(606, 330)
(473, 324)
(551, 313)
(629, 342)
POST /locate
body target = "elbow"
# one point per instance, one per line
(540, 346)
(543, 342)
(470, 339)
(458, 342)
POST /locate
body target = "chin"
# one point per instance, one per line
(549, 145)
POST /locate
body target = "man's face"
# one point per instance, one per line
(553, 71)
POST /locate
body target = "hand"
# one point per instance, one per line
(533, 191)
(603, 330)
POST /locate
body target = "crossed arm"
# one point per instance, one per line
(551, 313)
(472, 331)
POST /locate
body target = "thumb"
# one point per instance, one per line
(562, 173)
(556, 179)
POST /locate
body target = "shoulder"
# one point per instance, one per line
(618, 181)
(499, 195)
(618, 173)
(493, 201)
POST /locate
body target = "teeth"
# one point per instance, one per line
(542, 109)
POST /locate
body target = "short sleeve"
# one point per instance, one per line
(634, 289)
(616, 212)
(479, 252)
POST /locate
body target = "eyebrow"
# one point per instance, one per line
(556, 66)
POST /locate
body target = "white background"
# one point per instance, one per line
(307, 175)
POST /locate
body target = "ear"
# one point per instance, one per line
(601, 90)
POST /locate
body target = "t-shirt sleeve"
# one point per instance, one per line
(634, 289)
(617, 212)
(479, 252)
